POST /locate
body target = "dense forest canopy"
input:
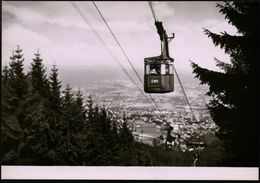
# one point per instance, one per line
(45, 125)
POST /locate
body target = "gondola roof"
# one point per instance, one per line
(158, 59)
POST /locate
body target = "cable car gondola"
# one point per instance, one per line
(158, 74)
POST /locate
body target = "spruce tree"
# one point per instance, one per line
(55, 86)
(80, 110)
(54, 115)
(38, 76)
(86, 139)
(8, 136)
(39, 138)
(234, 89)
(54, 105)
(105, 135)
(17, 76)
(15, 89)
(67, 148)
(127, 145)
(114, 143)
(99, 137)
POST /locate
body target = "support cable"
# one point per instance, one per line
(103, 18)
(187, 99)
(153, 11)
(104, 44)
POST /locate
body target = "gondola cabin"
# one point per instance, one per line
(158, 76)
(158, 70)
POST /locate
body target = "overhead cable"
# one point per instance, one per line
(183, 90)
(153, 11)
(103, 18)
(104, 44)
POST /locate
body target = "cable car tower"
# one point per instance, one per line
(158, 70)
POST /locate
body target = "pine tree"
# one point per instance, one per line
(55, 86)
(67, 148)
(5, 93)
(127, 145)
(85, 139)
(105, 133)
(99, 136)
(35, 147)
(54, 115)
(114, 143)
(80, 110)
(8, 137)
(18, 81)
(38, 76)
(234, 90)
(54, 105)
(21, 115)
(38, 143)
(15, 89)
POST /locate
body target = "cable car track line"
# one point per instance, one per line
(184, 93)
(104, 44)
(153, 11)
(104, 20)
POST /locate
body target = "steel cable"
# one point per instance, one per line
(103, 18)
(104, 44)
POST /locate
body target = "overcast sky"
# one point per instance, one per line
(64, 38)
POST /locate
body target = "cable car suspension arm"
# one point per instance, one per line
(165, 39)
(165, 53)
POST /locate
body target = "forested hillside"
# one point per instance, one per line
(45, 125)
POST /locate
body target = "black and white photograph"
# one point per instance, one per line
(139, 90)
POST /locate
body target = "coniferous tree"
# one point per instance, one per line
(38, 76)
(80, 110)
(79, 123)
(234, 90)
(55, 86)
(15, 88)
(127, 144)
(42, 127)
(114, 143)
(54, 105)
(97, 137)
(105, 130)
(67, 148)
(35, 148)
(86, 139)
(8, 137)
(39, 145)
(143, 156)
(54, 112)
(18, 81)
